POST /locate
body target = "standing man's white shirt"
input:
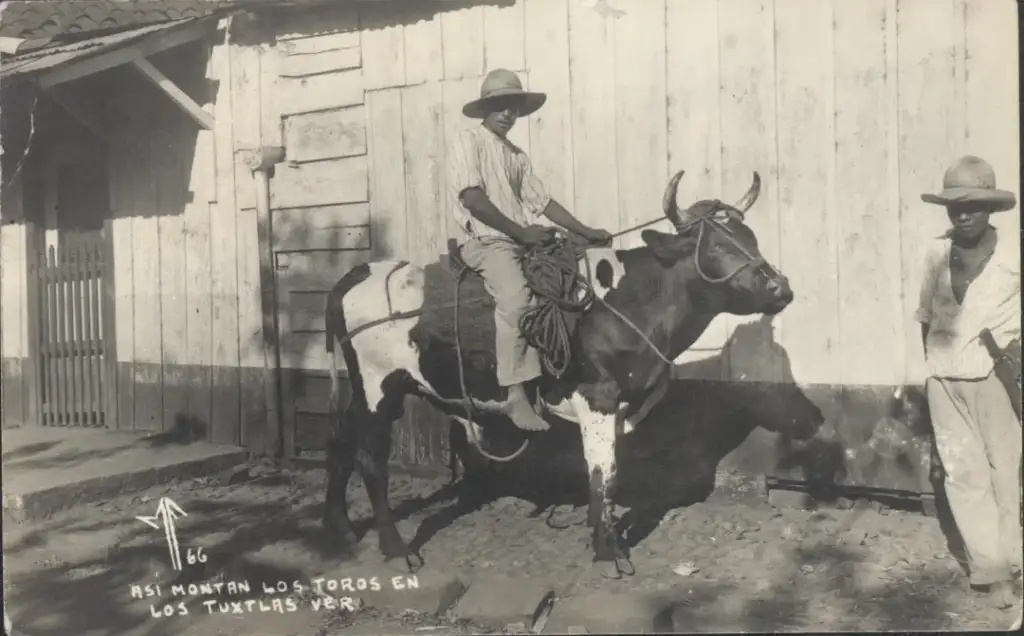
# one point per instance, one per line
(992, 301)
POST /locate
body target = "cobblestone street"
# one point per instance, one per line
(731, 562)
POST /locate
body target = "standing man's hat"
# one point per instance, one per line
(972, 180)
(503, 83)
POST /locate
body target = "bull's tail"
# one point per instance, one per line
(331, 329)
(336, 331)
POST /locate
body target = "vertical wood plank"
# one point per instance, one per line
(927, 132)
(79, 387)
(88, 379)
(97, 341)
(199, 272)
(387, 174)
(958, 107)
(147, 295)
(171, 193)
(79, 291)
(595, 166)
(423, 134)
(30, 318)
(991, 73)
(224, 412)
(12, 251)
(869, 292)
(547, 60)
(34, 325)
(245, 106)
(504, 37)
(54, 397)
(806, 108)
(641, 118)
(120, 265)
(424, 61)
(694, 135)
(462, 43)
(271, 124)
(456, 94)
(747, 99)
(14, 292)
(63, 402)
(383, 47)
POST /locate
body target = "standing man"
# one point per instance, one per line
(496, 194)
(972, 282)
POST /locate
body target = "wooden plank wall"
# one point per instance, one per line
(187, 297)
(857, 111)
(847, 110)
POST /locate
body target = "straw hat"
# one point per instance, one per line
(972, 180)
(502, 83)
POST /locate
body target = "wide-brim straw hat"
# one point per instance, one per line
(972, 180)
(503, 83)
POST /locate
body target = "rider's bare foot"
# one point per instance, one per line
(522, 413)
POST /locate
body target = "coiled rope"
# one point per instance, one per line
(562, 294)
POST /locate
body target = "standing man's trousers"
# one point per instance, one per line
(979, 442)
(503, 277)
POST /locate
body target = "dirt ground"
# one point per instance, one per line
(747, 566)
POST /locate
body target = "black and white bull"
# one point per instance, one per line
(653, 303)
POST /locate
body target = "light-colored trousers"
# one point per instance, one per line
(496, 260)
(979, 442)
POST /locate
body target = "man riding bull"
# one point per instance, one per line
(496, 194)
(972, 284)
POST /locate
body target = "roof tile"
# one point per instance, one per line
(32, 19)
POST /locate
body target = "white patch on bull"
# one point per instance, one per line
(598, 432)
(386, 347)
(563, 409)
(594, 256)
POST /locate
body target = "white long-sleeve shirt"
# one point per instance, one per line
(953, 349)
(479, 158)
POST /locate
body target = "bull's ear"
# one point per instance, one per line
(667, 248)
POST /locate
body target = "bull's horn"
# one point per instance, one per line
(748, 199)
(668, 202)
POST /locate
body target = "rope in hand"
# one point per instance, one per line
(562, 294)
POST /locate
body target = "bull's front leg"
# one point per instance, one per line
(630, 422)
(596, 408)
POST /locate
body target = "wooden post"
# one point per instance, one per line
(261, 163)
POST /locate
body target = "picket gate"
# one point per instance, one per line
(72, 350)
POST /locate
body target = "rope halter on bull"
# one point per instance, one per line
(551, 273)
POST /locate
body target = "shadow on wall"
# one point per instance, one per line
(138, 150)
(300, 295)
(302, 287)
(671, 458)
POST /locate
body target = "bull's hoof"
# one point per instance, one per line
(615, 569)
(414, 562)
(345, 535)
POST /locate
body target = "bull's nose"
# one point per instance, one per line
(779, 289)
